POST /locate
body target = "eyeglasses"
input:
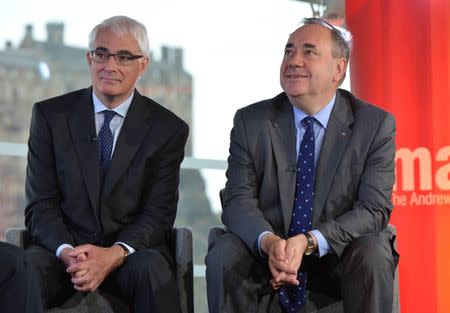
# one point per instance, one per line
(121, 58)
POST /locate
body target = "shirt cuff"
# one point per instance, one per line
(130, 250)
(322, 243)
(260, 238)
(61, 247)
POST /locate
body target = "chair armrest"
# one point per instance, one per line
(214, 233)
(18, 237)
(184, 267)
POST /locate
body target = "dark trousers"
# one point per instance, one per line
(146, 281)
(238, 281)
(18, 289)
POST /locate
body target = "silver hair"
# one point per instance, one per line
(342, 38)
(122, 25)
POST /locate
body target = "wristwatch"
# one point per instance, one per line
(126, 252)
(310, 246)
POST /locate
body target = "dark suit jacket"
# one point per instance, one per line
(139, 199)
(354, 174)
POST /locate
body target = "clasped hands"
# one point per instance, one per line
(88, 265)
(284, 257)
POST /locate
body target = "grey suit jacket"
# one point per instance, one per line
(139, 199)
(354, 175)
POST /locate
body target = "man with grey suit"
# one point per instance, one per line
(307, 201)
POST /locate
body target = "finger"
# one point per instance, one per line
(83, 288)
(85, 249)
(89, 287)
(284, 278)
(76, 267)
(80, 274)
(81, 257)
(279, 278)
(273, 270)
(81, 281)
(289, 279)
(281, 266)
(277, 286)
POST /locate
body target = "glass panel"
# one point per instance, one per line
(12, 195)
(199, 208)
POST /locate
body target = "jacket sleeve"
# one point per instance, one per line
(241, 213)
(43, 216)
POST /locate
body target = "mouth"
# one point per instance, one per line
(109, 79)
(294, 76)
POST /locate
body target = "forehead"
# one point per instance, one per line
(312, 34)
(114, 42)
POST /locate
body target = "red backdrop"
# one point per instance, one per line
(401, 62)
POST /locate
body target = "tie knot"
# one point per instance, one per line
(108, 115)
(308, 121)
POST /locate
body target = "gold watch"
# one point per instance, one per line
(310, 246)
(126, 252)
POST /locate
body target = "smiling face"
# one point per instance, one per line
(309, 73)
(114, 83)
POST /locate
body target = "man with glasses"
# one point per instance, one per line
(307, 201)
(102, 180)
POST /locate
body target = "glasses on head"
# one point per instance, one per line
(121, 58)
(342, 33)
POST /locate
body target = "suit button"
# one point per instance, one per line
(95, 234)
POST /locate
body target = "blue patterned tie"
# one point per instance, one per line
(105, 145)
(293, 298)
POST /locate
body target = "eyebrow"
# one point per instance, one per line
(305, 45)
(118, 52)
(289, 45)
(309, 45)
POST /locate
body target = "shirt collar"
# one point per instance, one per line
(322, 116)
(122, 109)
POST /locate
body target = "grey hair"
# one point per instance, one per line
(342, 39)
(122, 25)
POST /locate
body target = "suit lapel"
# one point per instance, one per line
(82, 128)
(282, 134)
(337, 135)
(134, 129)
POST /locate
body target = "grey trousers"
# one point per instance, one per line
(238, 280)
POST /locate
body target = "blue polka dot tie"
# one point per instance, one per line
(105, 145)
(293, 298)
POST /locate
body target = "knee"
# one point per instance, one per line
(12, 261)
(146, 265)
(226, 253)
(370, 254)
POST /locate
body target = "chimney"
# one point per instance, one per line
(172, 56)
(178, 58)
(55, 32)
(28, 40)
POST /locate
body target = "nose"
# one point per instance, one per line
(111, 63)
(296, 60)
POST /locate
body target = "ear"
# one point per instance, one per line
(341, 66)
(144, 64)
(89, 59)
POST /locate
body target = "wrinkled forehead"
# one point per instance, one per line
(311, 30)
(110, 39)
